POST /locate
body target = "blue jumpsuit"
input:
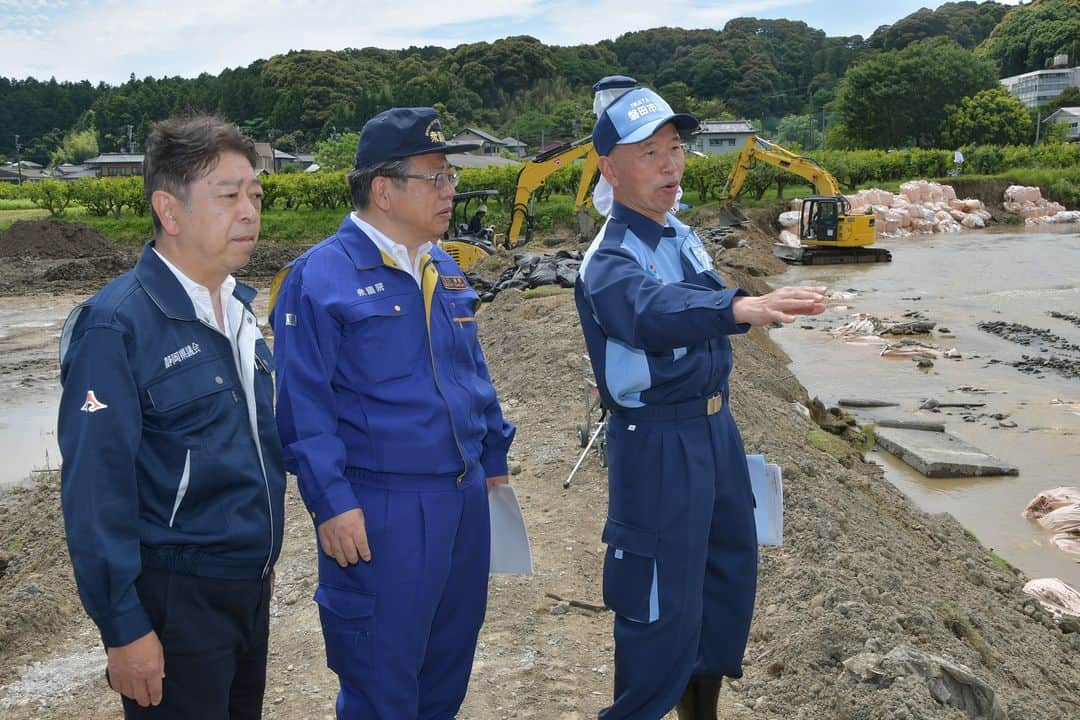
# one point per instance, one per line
(681, 565)
(385, 403)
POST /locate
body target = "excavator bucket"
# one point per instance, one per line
(731, 215)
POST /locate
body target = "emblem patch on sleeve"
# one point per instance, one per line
(453, 282)
(92, 404)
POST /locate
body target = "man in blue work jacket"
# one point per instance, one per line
(173, 481)
(392, 426)
(681, 563)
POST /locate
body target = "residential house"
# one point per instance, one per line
(304, 160)
(489, 144)
(515, 146)
(22, 172)
(67, 171)
(468, 160)
(715, 137)
(1041, 86)
(117, 164)
(1070, 118)
(264, 164)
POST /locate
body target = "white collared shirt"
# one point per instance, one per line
(200, 297)
(398, 252)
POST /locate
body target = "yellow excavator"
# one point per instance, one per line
(829, 234)
(535, 173)
(468, 250)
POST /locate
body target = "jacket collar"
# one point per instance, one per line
(646, 229)
(167, 292)
(361, 249)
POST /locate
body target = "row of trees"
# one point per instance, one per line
(887, 90)
(705, 177)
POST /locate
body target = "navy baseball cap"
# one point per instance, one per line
(634, 117)
(612, 82)
(399, 133)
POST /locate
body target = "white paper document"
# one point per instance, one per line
(767, 483)
(510, 551)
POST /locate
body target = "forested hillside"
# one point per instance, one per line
(769, 70)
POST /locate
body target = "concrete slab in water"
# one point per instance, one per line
(939, 454)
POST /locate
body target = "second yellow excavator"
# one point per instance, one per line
(829, 234)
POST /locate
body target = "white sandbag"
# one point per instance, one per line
(1065, 519)
(973, 222)
(1067, 542)
(789, 218)
(1052, 499)
(789, 238)
(1056, 596)
(1065, 216)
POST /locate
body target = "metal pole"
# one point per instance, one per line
(566, 482)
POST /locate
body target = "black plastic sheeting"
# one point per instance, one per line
(531, 270)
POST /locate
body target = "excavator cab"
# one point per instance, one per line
(830, 234)
(468, 248)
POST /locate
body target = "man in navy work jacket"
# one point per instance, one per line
(392, 426)
(173, 482)
(681, 563)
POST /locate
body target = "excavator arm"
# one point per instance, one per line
(535, 173)
(757, 148)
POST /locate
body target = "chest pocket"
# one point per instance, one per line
(383, 338)
(187, 398)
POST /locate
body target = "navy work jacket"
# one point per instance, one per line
(654, 312)
(379, 374)
(161, 467)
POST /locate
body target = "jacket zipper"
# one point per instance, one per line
(234, 350)
(435, 372)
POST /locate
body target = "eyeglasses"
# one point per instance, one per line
(441, 179)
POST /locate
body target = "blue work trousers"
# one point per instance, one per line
(401, 630)
(681, 565)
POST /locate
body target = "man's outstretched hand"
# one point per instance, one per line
(782, 305)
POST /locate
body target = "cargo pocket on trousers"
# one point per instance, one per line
(348, 624)
(631, 587)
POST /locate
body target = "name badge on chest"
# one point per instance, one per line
(700, 257)
(453, 282)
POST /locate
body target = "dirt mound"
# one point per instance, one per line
(268, 258)
(37, 589)
(54, 240)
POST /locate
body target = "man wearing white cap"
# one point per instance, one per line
(681, 565)
(606, 91)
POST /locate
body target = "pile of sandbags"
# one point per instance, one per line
(1036, 210)
(921, 207)
(531, 270)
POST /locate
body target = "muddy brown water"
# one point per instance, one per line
(959, 280)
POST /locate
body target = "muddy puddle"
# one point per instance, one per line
(29, 382)
(1009, 299)
(30, 327)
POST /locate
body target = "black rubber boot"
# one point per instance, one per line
(698, 701)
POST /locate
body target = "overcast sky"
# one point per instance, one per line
(110, 39)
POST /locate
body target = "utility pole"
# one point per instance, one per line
(273, 158)
(130, 147)
(18, 158)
